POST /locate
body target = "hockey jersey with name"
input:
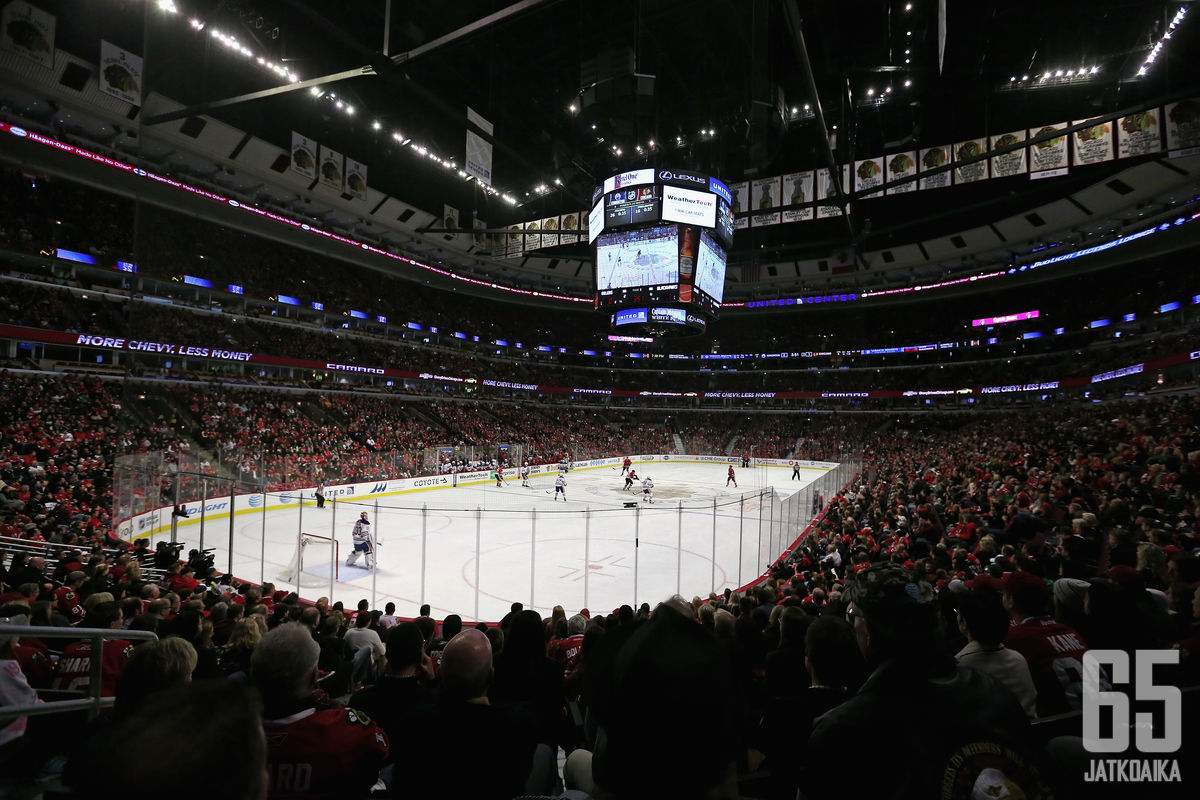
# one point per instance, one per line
(324, 753)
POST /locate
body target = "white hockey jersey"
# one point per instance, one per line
(362, 532)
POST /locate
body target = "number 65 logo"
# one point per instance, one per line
(1095, 699)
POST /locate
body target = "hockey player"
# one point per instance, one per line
(625, 465)
(525, 474)
(647, 490)
(362, 542)
(499, 476)
(630, 477)
(560, 486)
(731, 478)
(745, 461)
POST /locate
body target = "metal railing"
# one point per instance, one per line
(92, 702)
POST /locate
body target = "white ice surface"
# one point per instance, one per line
(531, 548)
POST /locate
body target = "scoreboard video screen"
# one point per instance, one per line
(640, 260)
(637, 264)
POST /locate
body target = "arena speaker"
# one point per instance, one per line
(75, 76)
(281, 162)
(192, 126)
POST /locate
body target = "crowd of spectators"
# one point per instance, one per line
(932, 587)
(60, 437)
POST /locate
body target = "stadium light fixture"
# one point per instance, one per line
(1157, 50)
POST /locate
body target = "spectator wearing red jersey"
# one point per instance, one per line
(66, 598)
(566, 651)
(75, 664)
(312, 751)
(1054, 651)
(183, 583)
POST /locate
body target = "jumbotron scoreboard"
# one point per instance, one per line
(660, 240)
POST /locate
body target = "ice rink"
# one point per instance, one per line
(475, 550)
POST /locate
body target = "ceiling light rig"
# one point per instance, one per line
(1052, 78)
(877, 97)
(800, 113)
(232, 44)
(1161, 44)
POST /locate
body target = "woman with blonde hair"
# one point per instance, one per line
(235, 656)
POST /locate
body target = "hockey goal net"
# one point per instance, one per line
(315, 560)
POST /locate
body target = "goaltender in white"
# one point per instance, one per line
(362, 542)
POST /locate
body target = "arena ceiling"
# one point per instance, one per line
(580, 90)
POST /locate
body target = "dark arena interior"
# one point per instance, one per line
(377, 379)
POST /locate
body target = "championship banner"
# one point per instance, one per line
(740, 204)
(120, 73)
(479, 237)
(868, 174)
(1183, 126)
(533, 236)
(932, 158)
(1093, 145)
(901, 165)
(332, 169)
(797, 191)
(970, 173)
(1139, 134)
(569, 225)
(827, 189)
(450, 220)
(28, 31)
(479, 150)
(741, 197)
(1008, 164)
(1049, 157)
(550, 232)
(356, 179)
(766, 196)
(304, 156)
(513, 242)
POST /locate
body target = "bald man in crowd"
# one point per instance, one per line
(465, 729)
